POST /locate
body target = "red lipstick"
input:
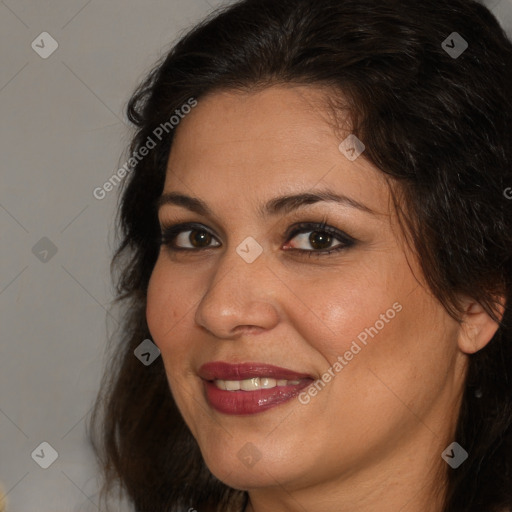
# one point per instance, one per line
(241, 402)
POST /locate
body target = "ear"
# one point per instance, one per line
(477, 327)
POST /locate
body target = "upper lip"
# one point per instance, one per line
(220, 370)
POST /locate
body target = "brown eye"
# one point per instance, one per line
(188, 237)
(312, 241)
(193, 239)
(320, 240)
(316, 239)
(199, 238)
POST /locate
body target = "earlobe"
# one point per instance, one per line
(477, 327)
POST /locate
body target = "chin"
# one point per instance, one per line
(248, 467)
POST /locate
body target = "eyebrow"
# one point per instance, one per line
(282, 204)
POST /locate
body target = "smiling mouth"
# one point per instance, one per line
(254, 384)
(249, 388)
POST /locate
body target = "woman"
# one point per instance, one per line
(317, 239)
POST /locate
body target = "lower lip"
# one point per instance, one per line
(250, 402)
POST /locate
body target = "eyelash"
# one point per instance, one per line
(169, 233)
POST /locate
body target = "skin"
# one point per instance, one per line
(372, 438)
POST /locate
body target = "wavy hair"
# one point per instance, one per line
(439, 126)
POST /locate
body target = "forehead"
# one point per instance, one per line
(257, 143)
(278, 116)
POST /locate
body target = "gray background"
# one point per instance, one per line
(62, 135)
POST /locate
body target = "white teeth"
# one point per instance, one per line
(232, 385)
(253, 384)
(250, 384)
(221, 384)
(267, 383)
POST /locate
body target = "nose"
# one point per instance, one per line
(240, 297)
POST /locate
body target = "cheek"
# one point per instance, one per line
(382, 324)
(169, 305)
(397, 348)
(160, 311)
(170, 298)
(335, 309)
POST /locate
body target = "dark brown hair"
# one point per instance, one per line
(439, 127)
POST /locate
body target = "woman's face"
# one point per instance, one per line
(254, 283)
